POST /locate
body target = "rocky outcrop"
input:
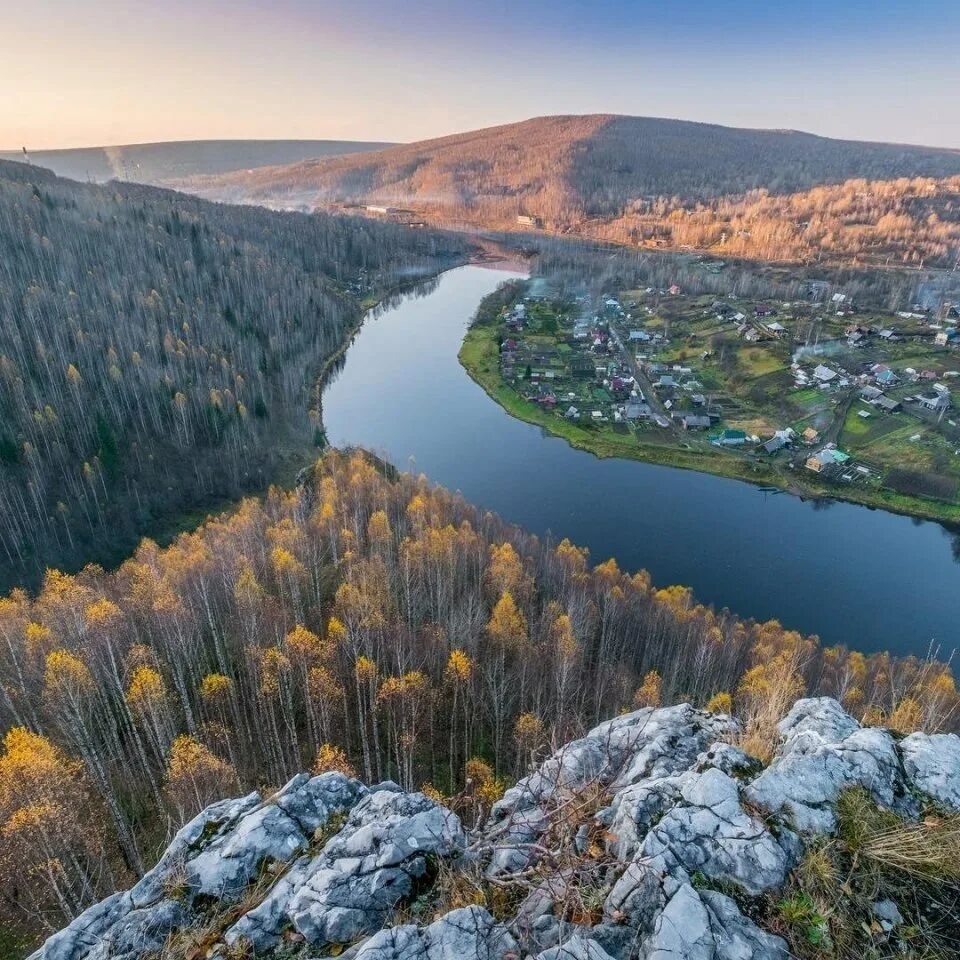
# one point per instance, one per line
(652, 837)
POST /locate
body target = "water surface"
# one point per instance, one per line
(852, 575)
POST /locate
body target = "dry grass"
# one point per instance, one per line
(827, 910)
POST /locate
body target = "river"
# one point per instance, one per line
(870, 579)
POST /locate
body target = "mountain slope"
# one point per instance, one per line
(161, 162)
(567, 167)
(159, 353)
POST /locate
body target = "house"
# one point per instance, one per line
(692, 421)
(824, 374)
(870, 393)
(636, 411)
(886, 378)
(526, 221)
(572, 413)
(826, 458)
(936, 402)
(810, 435)
(781, 439)
(729, 438)
(666, 382)
(945, 338)
(674, 290)
(888, 335)
(777, 329)
(639, 335)
(887, 404)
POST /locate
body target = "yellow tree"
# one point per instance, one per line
(196, 777)
(528, 735)
(650, 692)
(52, 850)
(147, 699)
(403, 700)
(331, 758)
(218, 699)
(457, 677)
(70, 697)
(507, 632)
(565, 657)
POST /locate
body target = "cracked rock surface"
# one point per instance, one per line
(682, 834)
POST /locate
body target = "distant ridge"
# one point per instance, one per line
(566, 168)
(157, 163)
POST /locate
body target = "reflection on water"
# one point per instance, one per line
(852, 575)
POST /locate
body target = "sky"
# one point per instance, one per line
(102, 72)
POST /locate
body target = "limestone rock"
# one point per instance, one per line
(683, 818)
(933, 764)
(467, 933)
(824, 752)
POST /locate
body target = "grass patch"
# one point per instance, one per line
(828, 910)
(759, 361)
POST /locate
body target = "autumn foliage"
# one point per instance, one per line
(359, 623)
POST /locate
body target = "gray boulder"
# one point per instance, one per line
(824, 752)
(633, 748)
(333, 860)
(932, 762)
(709, 832)
(576, 948)
(460, 934)
(216, 854)
(349, 887)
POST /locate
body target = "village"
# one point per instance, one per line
(816, 391)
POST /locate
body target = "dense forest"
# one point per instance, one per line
(764, 193)
(905, 222)
(159, 353)
(364, 621)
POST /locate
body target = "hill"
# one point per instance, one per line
(159, 353)
(158, 163)
(369, 622)
(568, 168)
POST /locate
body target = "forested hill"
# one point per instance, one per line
(158, 163)
(158, 352)
(568, 167)
(370, 622)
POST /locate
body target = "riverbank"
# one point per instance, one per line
(479, 356)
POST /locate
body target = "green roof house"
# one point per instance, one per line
(729, 438)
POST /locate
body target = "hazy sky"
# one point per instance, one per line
(85, 72)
